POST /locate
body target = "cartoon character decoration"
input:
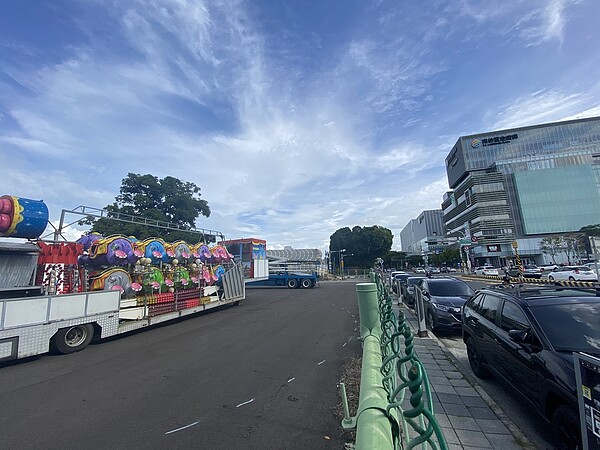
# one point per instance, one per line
(22, 217)
(181, 278)
(182, 251)
(153, 280)
(153, 248)
(201, 252)
(110, 251)
(218, 272)
(88, 239)
(219, 254)
(114, 278)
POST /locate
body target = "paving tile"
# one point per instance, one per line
(492, 426)
(450, 436)
(467, 391)
(455, 374)
(456, 410)
(463, 423)
(437, 380)
(449, 398)
(442, 419)
(455, 447)
(459, 383)
(503, 442)
(484, 413)
(473, 438)
(476, 402)
(447, 389)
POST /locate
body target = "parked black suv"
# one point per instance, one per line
(443, 299)
(526, 338)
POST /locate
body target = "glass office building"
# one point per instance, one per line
(511, 184)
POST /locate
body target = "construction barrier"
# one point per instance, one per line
(513, 280)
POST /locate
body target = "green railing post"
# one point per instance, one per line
(373, 425)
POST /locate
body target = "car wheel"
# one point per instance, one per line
(566, 429)
(475, 360)
(430, 321)
(571, 278)
(292, 283)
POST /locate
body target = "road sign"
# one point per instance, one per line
(474, 239)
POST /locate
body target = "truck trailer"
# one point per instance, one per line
(58, 296)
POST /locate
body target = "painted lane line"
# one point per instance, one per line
(291, 379)
(245, 403)
(182, 428)
(345, 343)
(321, 363)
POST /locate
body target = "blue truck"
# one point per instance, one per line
(292, 275)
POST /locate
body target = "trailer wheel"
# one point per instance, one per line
(292, 283)
(306, 283)
(72, 339)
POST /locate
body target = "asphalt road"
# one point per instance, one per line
(516, 408)
(261, 375)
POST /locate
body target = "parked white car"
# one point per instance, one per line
(593, 266)
(486, 270)
(420, 270)
(573, 273)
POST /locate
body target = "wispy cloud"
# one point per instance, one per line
(292, 123)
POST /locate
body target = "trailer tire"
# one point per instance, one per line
(72, 339)
(306, 283)
(292, 283)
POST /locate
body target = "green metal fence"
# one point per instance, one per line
(390, 371)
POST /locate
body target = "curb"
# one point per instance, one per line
(519, 436)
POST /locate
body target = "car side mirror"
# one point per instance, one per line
(425, 293)
(519, 336)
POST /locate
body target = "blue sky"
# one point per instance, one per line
(296, 118)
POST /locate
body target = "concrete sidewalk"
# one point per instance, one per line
(469, 417)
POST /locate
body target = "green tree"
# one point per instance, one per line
(395, 259)
(363, 245)
(415, 260)
(591, 230)
(168, 200)
(552, 245)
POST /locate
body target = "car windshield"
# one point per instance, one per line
(449, 288)
(413, 280)
(402, 277)
(573, 327)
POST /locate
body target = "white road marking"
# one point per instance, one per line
(345, 343)
(182, 428)
(245, 403)
(321, 363)
(291, 379)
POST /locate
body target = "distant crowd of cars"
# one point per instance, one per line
(523, 336)
(553, 272)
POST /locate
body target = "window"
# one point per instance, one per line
(513, 318)
(468, 197)
(489, 307)
(475, 303)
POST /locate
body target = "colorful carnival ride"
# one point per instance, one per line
(60, 295)
(146, 272)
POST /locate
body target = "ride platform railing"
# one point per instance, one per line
(391, 371)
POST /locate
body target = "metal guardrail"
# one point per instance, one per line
(390, 370)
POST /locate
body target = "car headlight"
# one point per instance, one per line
(455, 310)
(440, 307)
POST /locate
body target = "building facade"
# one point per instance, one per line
(520, 185)
(424, 235)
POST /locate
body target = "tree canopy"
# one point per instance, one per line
(363, 245)
(146, 196)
